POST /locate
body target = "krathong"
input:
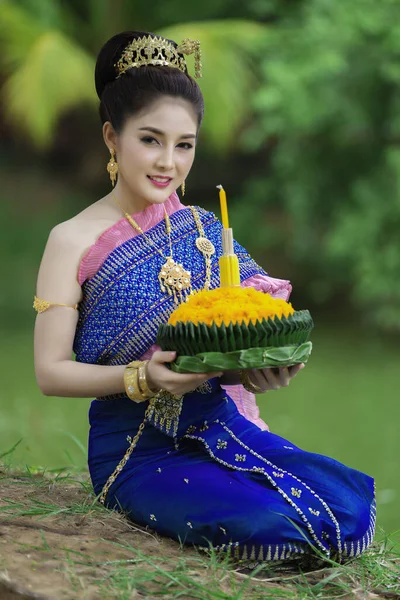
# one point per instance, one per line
(234, 327)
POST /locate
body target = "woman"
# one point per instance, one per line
(174, 452)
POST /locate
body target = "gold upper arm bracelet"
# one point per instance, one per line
(41, 305)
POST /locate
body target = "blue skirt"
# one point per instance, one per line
(203, 474)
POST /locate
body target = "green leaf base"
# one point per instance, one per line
(191, 340)
(252, 358)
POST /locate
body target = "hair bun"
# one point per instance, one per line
(105, 71)
(126, 96)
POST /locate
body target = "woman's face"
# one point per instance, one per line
(155, 150)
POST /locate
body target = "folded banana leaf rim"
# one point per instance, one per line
(191, 339)
(252, 358)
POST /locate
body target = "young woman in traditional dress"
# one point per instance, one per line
(184, 454)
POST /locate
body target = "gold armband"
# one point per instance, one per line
(248, 384)
(41, 305)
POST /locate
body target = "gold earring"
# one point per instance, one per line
(183, 188)
(112, 167)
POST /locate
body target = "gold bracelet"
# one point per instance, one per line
(144, 386)
(248, 384)
(131, 381)
(135, 364)
(136, 380)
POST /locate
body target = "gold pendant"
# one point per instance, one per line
(207, 249)
(175, 280)
(205, 246)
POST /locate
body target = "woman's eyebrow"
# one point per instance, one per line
(159, 132)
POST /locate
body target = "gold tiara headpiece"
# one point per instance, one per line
(159, 52)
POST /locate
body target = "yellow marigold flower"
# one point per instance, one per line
(230, 305)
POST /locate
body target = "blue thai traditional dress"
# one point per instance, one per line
(201, 472)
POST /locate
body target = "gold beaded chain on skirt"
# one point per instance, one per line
(125, 458)
(165, 409)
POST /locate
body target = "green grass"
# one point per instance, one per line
(344, 404)
(218, 579)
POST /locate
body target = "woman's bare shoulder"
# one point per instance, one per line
(92, 220)
(67, 243)
(82, 230)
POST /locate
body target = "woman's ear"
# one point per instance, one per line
(109, 136)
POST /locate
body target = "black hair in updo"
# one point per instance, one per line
(137, 88)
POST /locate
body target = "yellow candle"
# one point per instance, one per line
(235, 272)
(224, 206)
(229, 271)
(225, 271)
(228, 263)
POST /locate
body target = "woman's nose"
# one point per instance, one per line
(165, 159)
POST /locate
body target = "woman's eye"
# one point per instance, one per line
(148, 139)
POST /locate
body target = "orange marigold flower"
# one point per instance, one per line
(230, 305)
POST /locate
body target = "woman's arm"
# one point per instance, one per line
(57, 374)
(70, 379)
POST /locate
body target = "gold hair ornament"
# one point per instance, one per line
(159, 52)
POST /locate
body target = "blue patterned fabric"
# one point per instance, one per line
(202, 473)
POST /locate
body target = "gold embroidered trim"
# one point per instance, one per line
(165, 412)
(42, 305)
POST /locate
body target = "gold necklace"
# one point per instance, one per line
(173, 277)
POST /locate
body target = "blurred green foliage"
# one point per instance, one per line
(50, 70)
(302, 113)
(329, 111)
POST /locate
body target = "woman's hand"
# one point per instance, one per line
(160, 377)
(273, 379)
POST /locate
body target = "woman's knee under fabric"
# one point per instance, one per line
(347, 491)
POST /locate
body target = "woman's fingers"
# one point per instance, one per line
(295, 369)
(196, 378)
(284, 376)
(272, 379)
(275, 378)
(281, 377)
(161, 356)
(176, 383)
(266, 379)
